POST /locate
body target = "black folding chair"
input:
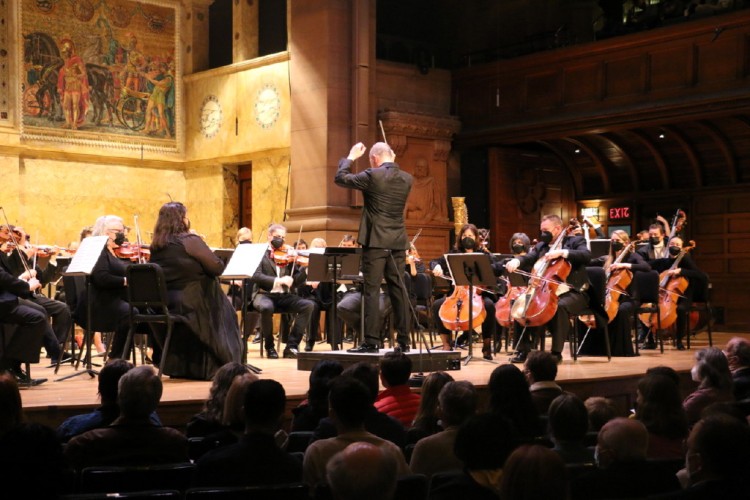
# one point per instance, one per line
(295, 491)
(422, 285)
(645, 288)
(701, 304)
(597, 292)
(137, 478)
(147, 296)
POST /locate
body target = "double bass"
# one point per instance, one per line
(671, 288)
(538, 304)
(618, 281)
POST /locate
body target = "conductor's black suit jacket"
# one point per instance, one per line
(385, 190)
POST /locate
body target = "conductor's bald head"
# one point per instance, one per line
(381, 152)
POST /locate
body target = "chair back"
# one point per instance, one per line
(294, 491)
(646, 287)
(133, 495)
(597, 288)
(137, 478)
(423, 287)
(298, 441)
(74, 287)
(147, 287)
(411, 487)
(701, 288)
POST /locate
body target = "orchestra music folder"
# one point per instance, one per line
(86, 256)
(244, 261)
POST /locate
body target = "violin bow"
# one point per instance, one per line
(299, 237)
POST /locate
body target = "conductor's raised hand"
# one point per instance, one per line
(357, 151)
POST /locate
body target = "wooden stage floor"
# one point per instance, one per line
(52, 402)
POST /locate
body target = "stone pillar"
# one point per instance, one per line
(245, 30)
(195, 36)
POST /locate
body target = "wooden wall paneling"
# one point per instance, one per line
(670, 68)
(716, 59)
(582, 83)
(625, 76)
(544, 90)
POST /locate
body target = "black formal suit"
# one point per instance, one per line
(382, 234)
(572, 302)
(22, 345)
(267, 302)
(648, 252)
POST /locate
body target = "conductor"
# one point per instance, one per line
(382, 235)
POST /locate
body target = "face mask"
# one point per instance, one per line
(277, 242)
(617, 246)
(518, 248)
(119, 239)
(468, 243)
(545, 237)
(654, 241)
(674, 251)
(694, 374)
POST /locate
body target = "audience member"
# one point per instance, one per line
(233, 418)
(209, 420)
(362, 471)
(132, 439)
(737, 352)
(308, 414)
(380, 424)
(540, 369)
(533, 471)
(349, 403)
(397, 400)
(256, 459)
(11, 409)
(716, 460)
(568, 424)
(426, 422)
(622, 471)
(659, 407)
(510, 398)
(601, 410)
(667, 371)
(108, 411)
(711, 371)
(433, 454)
(483, 443)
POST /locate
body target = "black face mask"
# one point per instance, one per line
(468, 243)
(617, 246)
(654, 241)
(518, 249)
(277, 242)
(119, 239)
(674, 251)
(545, 237)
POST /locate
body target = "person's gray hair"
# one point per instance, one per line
(103, 222)
(363, 471)
(139, 392)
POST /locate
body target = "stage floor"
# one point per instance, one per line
(53, 401)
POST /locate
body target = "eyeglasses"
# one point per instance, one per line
(122, 230)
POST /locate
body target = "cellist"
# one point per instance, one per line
(621, 259)
(687, 269)
(467, 241)
(572, 298)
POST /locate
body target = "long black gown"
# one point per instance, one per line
(210, 337)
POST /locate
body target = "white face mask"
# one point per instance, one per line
(694, 374)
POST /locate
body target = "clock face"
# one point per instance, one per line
(267, 106)
(211, 116)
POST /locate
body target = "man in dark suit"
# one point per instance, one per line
(382, 234)
(23, 344)
(271, 294)
(571, 302)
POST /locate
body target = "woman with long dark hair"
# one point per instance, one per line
(659, 407)
(210, 337)
(510, 398)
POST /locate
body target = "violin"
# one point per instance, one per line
(538, 304)
(133, 252)
(618, 281)
(671, 288)
(284, 255)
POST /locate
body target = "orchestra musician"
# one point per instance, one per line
(621, 326)
(687, 269)
(272, 283)
(382, 234)
(572, 299)
(657, 247)
(467, 241)
(209, 336)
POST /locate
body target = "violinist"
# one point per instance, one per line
(620, 259)
(17, 263)
(687, 269)
(467, 241)
(272, 282)
(209, 336)
(244, 235)
(571, 299)
(657, 247)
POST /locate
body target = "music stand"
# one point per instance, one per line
(333, 265)
(471, 269)
(83, 264)
(241, 264)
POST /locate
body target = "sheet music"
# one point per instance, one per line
(86, 256)
(245, 260)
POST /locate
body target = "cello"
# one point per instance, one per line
(618, 281)
(504, 304)
(455, 316)
(671, 288)
(538, 304)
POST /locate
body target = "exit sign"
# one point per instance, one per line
(619, 213)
